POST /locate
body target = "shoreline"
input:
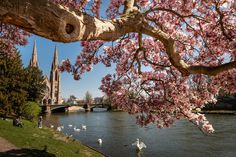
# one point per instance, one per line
(31, 139)
(229, 112)
(93, 149)
(62, 134)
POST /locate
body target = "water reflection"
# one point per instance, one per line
(49, 120)
(140, 154)
(119, 130)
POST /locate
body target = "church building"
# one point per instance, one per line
(52, 92)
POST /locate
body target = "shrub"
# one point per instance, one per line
(31, 110)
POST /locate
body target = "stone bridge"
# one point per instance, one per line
(63, 107)
(54, 108)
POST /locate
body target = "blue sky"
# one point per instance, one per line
(90, 81)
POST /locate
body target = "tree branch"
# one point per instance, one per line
(180, 64)
(175, 13)
(211, 70)
(222, 24)
(58, 23)
(128, 5)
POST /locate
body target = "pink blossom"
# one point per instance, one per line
(208, 128)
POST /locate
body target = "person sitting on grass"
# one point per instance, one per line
(40, 122)
(17, 122)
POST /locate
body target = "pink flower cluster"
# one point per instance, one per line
(10, 37)
(84, 61)
(66, 66)
(113, 9)
(143, 3)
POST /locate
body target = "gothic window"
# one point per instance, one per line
(44, 102)
(49, 101)
(56, 76)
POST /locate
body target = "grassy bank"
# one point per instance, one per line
(44, 140)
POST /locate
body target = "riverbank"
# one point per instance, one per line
(231, 112)
(36, 142)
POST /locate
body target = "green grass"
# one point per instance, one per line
(31, 137)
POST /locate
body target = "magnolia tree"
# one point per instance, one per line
(171, 56)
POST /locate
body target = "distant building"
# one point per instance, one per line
(52, 92)
(80, 102)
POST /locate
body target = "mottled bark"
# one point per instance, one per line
(58, 23)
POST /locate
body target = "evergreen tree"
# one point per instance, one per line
(12, 84)
(36, 85)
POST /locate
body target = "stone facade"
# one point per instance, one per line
(52, 92)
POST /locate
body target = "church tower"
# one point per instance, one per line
(55, 79)
(34, 58)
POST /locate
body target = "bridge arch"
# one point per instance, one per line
(49, 101)
(44, 101)
(58, 108)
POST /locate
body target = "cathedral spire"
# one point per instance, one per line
(55, 79)
(34, 58)
(55, 59)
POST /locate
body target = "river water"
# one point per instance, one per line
(118, 131)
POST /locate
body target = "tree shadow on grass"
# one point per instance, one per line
(26, 153)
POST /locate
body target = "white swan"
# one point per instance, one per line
(84, 127)
(99, 141)
(139, 145)
(76, 129)
(59, 129)
(51, 126)
(70, 125)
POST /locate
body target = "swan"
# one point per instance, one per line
(139, 145)
(51, 126)
(62, 126)
(84, 127)
(99, 141)
(70, 125)
(76, 129)
(59, 129)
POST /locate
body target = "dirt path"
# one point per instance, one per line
(5, 145)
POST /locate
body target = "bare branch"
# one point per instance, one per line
(175, 13)
(222, 25)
